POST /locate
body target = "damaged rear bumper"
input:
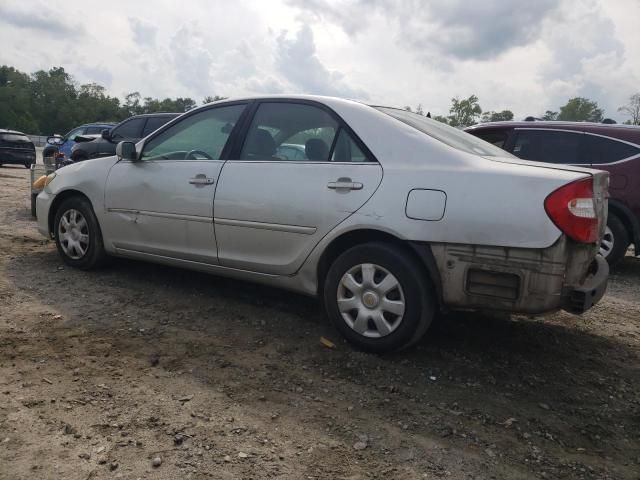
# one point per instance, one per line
(567, 275)
(582, 298)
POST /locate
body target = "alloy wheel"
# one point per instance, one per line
(607, 243)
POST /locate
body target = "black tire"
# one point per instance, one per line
(94, 255)
(419, 296)
(80, 157)
(620, 238)
(33, 204)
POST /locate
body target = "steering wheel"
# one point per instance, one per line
(190, 155)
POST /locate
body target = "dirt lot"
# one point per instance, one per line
(103, 372)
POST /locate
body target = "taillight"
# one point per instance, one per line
(573, 210)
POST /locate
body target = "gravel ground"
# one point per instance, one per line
(144, 371)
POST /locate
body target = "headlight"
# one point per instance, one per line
(40, 182)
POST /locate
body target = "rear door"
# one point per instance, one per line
(271, 210)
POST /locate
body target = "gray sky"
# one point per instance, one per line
(525, 55)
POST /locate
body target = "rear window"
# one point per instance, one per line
(14, 138)
(551, 146)
(451, 136)
(154, 123)
(599, 150)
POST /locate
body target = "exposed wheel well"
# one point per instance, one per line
(61, 197)
(421, 253)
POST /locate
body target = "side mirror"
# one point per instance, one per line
(106, 134)
(55, 140)
(127, 151)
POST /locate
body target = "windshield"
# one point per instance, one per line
(14, 138)
(451, 136)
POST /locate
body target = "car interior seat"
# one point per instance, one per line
(316, 149)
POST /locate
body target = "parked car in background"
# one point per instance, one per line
(132, 129)
(454, 223)
(64, 144)
(16, 149)
(613, 148)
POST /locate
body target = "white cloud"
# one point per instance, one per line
(518, 54)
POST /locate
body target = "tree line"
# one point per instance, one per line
(467, 111)
(48, 102)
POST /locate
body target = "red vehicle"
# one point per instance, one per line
(613, 148)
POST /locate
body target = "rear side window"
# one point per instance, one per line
(129, 129)
(154, 123)
(494, 137)
(600, 150)
(346, 150)
(549, 146)
(306, 128)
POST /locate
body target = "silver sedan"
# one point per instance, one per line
(388, 216)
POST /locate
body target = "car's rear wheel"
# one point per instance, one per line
(615, 241)
(80, 157)
(78, 235)
(378, 298)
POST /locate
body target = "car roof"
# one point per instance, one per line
(629, 133)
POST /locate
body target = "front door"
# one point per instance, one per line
(162, 204)
(272, 209)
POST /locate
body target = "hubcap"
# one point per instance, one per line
(73, 233)
(371, 300)
(606, 245)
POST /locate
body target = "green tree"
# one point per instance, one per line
(550, 115)
(632, 109)
(502, 116)
(441, 119)
(581, 109)
(464, 112)
(210, 99)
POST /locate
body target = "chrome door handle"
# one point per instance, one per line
(201, 180)
(344, 184)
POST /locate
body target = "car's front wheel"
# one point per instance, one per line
(379, 297)
(78, 235)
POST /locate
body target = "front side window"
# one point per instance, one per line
(549, 146)
(278, 129)
(201, 136)
(494, 137)
(129, 129)
(95, 130)
(600, 150)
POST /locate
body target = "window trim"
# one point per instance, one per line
(242, 133)
(166, 126)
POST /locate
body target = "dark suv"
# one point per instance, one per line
(132, 129)
(16, 148)
(613, 148)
